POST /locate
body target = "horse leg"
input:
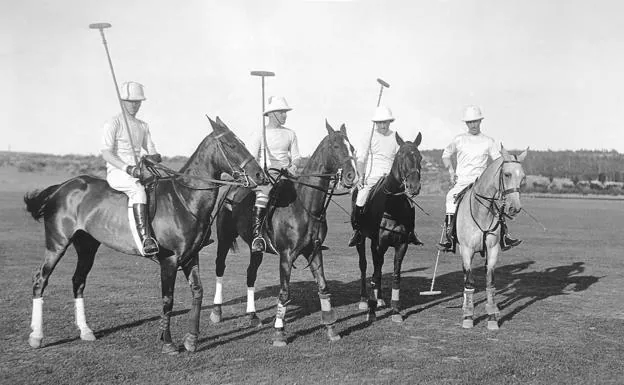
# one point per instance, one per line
(361, 249)
(223, 247)
(56, 245)
(279, 337)
(378, 261)
(255, 260)
(469, 288)
(399, 254)
(86, 246)
(328, 314)
(490, 306)
(168, 270)
(191, 271)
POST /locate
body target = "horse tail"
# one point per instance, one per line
(38, 202)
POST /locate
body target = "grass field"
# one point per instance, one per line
(560, 295)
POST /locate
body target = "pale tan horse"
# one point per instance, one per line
(494, 196)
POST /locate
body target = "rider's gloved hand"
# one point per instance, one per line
(292, 169)
(133, 171)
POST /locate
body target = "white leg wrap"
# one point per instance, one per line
(395, 294)
(36, 323)
(81, 320)
(325, 304)
(279, 323)
(251, 300)
(279, 317)
(375, 294)
(218, 297)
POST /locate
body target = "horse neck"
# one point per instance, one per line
(392, 183)
(312, 197)
(487, 185)
(203, 163)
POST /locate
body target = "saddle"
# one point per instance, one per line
(371, 194)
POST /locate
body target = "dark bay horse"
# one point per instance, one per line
(387, 220)
(296, 225)
(86, 212)
(496, 193)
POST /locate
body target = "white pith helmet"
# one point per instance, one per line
(383, 114)
(131, 91)
(277, 103)
(472, 113)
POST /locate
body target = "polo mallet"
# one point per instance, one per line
(435, 270)
(383, 85)
(263, 74)
(101, 27)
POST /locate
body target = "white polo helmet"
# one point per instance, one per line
(132, 91)
(277, 103)
(472, 113)
(383, 114)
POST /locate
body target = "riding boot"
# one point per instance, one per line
(413, 238)
(356, 218)
(259, 244)
(449, 226)
(150, 246)
(507, 242)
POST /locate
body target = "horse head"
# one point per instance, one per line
(512, 178)
(232, 157)
(339, 155)
(406, 166)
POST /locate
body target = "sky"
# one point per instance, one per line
(547, 74)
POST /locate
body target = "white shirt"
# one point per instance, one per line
(472, 155)
(379, 160)
(282, 147)
(115, 139)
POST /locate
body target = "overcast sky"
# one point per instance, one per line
(548, 74)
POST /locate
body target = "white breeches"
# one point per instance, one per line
(128, 185)
(365, 190)
(450, 197)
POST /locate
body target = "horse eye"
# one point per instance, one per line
(507, 175)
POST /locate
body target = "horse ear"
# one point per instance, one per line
(343, 129)
(418, 139)
(212, 123)
(523, 155)
(504, 152)
(220, 123)
(399, 140)
(330, 130)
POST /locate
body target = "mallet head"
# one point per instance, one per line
(262, 73)
(99, 25)
(383, 83)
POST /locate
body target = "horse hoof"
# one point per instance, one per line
(279, 338)
(87, 335)
(332, 335)
(363, 305)
(190, 342)
(381, 303)
(492, 325)
(35, 341)
(215, 317)
(253, 320)
(170, 349)
(397, 318)
(467, 323)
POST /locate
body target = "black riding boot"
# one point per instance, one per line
(449, 224)
(150, 246)
(258, 243)
(356, 217)
(411, 236)
(507, 242)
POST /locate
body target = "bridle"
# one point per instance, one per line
(240, 173)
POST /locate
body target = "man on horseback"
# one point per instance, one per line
(375, 163)
(122, 172)
(282, 152)
(473, 149)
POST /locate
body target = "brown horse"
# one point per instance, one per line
(296, 226)
(388, 219)
(86, 212)
(494, 195)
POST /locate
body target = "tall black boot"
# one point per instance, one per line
(411, 236)
(258, 244)
(356, 218)
(150, 246)
(449, 225)
(507, 242)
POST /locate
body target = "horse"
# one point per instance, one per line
(296, 225)
(86, 212)
(480, 213)
(387, 220)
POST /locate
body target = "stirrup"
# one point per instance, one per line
(413, 239)
(446, 247)
(150, 246)
(355, 238)
(258, 244)
(509, 242)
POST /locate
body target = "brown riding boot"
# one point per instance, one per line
(356, 217)
(449, 224)
(150, 246)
